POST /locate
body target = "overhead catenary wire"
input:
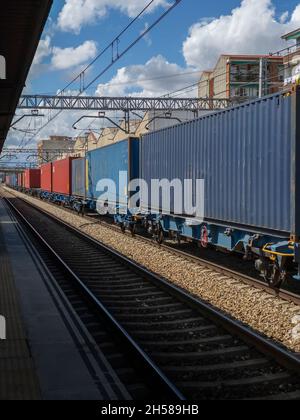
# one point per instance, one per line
(264, 80)
(188, 88)
(141, 36)
(79, 76)
(107, 48)
(137, 81)
(119, 55)
(185, 89)
(167, 94)
(110, 84)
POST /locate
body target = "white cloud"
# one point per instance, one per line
(284, 17)
(77, 13)
(62, 125)
(155, 78)
(65, 58)
(147, 37)
(43, 51)
(251, 28)
(295, 20)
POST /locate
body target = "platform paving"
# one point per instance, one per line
(48, 353)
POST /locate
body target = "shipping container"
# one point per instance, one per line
(62, 176)
(244, 156)
(119, 163)
(21, 179)
(11, 180)
(32, 178)
(46, 177)
(79, 177)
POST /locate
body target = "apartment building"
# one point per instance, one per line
(245, 76)
(291, 57)
(56, 147)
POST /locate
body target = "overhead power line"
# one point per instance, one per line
(138, 81)
(114, 59)
(107, 48)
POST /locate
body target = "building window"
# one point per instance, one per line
(244, 72)
(245, 91)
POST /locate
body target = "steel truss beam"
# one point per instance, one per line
(16, 168)
(90, 103)
(39, 152)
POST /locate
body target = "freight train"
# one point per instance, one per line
(249, 159)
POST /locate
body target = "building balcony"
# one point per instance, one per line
(250, 77)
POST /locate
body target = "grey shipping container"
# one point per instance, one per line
(248, 156)
(79, 177)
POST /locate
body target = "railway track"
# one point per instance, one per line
(233, 267)
(210, 263)
(289, 293)
(184, 347)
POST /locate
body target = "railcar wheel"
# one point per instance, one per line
(276, 277)
(132, 230)
(159, 237)
(204, 237)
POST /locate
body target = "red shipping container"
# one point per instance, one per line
(46, 177)
(62, 176)
(32, 178)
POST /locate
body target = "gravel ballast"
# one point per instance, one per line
(271, 316)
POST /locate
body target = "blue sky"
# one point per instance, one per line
(189, 40)
(166, 40)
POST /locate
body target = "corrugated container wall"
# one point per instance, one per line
(21, 179)
(78, 177)
(62, 176)
(108, 162)
(11, 180)
(244, 156)
(46, 177)
(32, 178)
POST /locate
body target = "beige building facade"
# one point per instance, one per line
(54, 148)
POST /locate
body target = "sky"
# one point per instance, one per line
(186, 42)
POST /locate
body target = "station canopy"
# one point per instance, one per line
(21, 26)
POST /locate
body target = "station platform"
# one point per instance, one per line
(45, 355)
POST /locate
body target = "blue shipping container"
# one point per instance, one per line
(107, 163)
(244, 156)
(12, 180)
(79, 177)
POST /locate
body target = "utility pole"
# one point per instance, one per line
(262, 76)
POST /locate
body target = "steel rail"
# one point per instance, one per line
(281, 355)
(152, 372)
(259, 284)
